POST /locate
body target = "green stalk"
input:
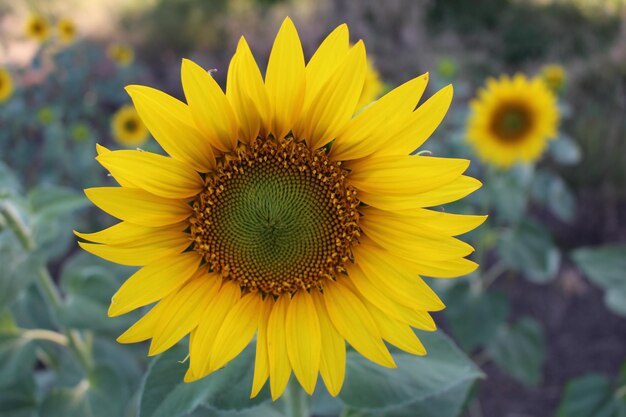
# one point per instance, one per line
(296, 401)
(48, 288)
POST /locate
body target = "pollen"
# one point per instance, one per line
(277, 217)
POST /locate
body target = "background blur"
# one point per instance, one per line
(66, 93)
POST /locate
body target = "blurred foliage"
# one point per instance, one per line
(526, 31)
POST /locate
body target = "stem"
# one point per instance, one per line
(74, 339)
(43, 334)
(16, 223)
(49, 290)
(296, 401)
(493, 273)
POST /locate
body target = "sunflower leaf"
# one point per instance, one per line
(520, 350)
(164, 394)
(592, 395)
(605, 266)
(433, 385)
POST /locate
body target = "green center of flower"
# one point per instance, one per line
(277, 218)
(131, 125)
(511, 123)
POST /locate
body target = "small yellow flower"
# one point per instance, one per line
(123, 55)
(372, 87)
(512, 120)
(6, 85)
(46, 115)
(66, 30)
(37, 27)
(127, 128)
(554, 76)
(80, 132)
(254, 226)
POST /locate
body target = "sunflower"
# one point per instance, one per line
(372, 87)
(127, 127)
(121, 54)
(279, 214)
(67, 31)
(554, 76)
(512, 120)
(37, 27)
(6, 85)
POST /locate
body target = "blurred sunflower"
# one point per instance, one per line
(127, 127)
(257, 225)
(67, 31)
(372, 87)
(6, 85)
(121, 54)
(554, 76)
(512, 119)
(37, 27)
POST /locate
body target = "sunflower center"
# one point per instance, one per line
(131, 125)
(277, 218)
(511, 123)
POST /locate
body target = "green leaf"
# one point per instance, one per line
(606, 267)
(564, 150)
(18, 399)
(435, 384)
(520, 351)
(551, 191)
(52, 201)
(591, 395)
(18, 268)
(102, 394)
(164, 394)
(89, 284)
(17, 356)
(509, 192)
(474, 317)
(529, 249)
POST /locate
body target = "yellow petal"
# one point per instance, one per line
(421, 125)
(436, 221)
(395, 235)
(285, 80)
(261, 360)
(236, 330)
(330, 53)
(139, 255)
(143, 329)
(447, 193)
(393, 277)
(372, 129)
(333, 356)
(280, 368)
(303, 340)
(202, 344)
(449, 268)
(247, 94)
(209, 107)
(333, 106)
(366, 290)
(157, 174)
(170, 122)
(153, 282)
(396, 333)
(129, 234)
(138, 206)
(355, 324)
(404, 175)
(183, 311)
(101, 150)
